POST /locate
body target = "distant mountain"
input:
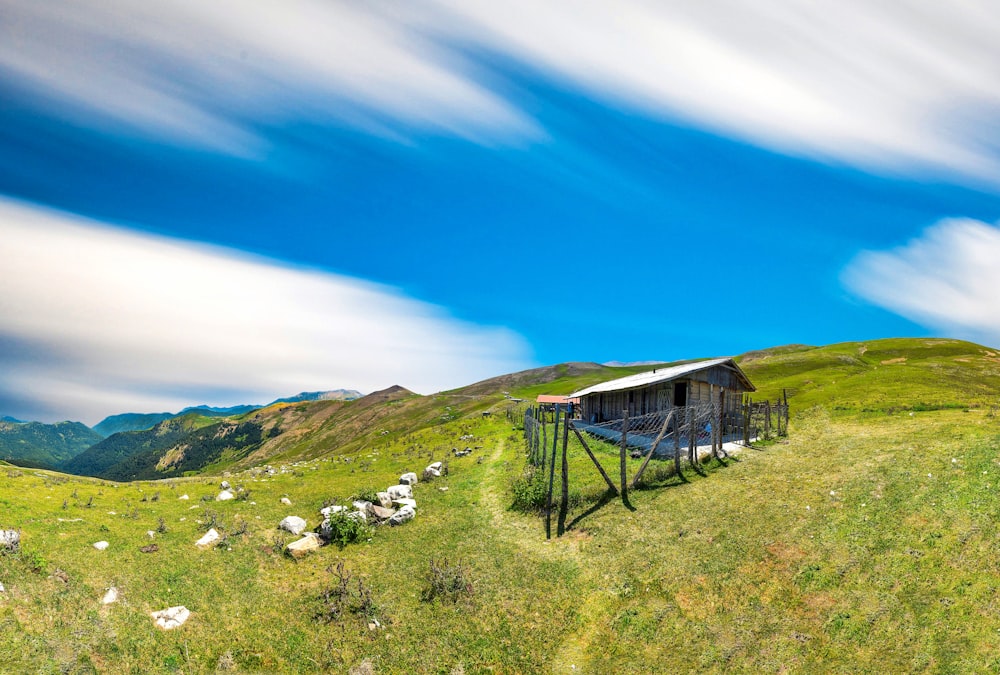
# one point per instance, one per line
(334, 395)
(44, 445)
(625, 364)
(129, 422)
(212, 411)
(122, 446)
(12, 420)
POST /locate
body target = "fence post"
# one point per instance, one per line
(624, 478)
(552, 478)
(564, 500)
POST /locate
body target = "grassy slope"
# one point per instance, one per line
(857, 544)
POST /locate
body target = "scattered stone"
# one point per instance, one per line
(326, 511)
(2, 589)
(225, 496)
(403, 515)
(443, 489)
(293, 524)
(412, 503)
(110, 597)
(399, 492)
(408, 479)
(381, 513)
(374, 625)
(101, 545)
(61, 576)
(171, 618)
(358, 515)
(150, 534)
(183, 497)
(10, 540)
(385, 500)
(304, 546)
(363, 505)
(433, 470)
(152, 548)
(461, 453)
(286, 501)
(224, 485)
(209, 539)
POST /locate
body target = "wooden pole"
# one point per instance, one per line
(624, 469)
(692, 435)
(652, 449)
(564, 499)
(677, 448)
(604, 474)
(552, 479)
(545, 442)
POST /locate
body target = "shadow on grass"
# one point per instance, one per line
(606, 497)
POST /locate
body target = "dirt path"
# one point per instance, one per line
(528, 534)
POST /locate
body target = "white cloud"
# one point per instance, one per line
(947, 279)
(126, 321)
(902, 86)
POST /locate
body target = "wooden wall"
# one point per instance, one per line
(605, 406)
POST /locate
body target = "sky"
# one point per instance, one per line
(227, 202)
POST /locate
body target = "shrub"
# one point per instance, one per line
(368, 494)
(446, 581)
(529, 492)
(347, 595)
(341, 529)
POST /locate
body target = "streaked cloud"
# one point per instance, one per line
(946, 279)
(908, 86)
(96, 320)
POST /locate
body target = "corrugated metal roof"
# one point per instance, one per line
(659, 375)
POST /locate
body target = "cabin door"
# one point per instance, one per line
(680, 394)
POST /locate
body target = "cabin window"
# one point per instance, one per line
(680, 393)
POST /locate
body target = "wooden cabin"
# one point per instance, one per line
(664, 388)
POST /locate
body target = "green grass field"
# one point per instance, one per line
(864, 541)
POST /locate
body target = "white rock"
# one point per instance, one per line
(2, 589)
(435, 465)
(101, 545)
(408, 479)
(110, 597)
(150, 534)
(400, 492)
(210, 538)
(224, 485)
(286, 501)
(412, 503)
(326, 511)
(358, 515)
(404, 514)
(384, 500)
(183, 497)
(225, 496)
(10, 539)
(432, 473)
(172, 617)
(362, 505)
(302, 547)
(293, 524)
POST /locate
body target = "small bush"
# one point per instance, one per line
(347, 596)
(446, 581)
(340, 529)
(529, 492)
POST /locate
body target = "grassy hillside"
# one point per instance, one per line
(863, 542)
(37, 444)
(880, 375)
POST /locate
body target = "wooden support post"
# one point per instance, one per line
(552, 479)
(652, 449)
(692, 436)
(622, 454)
(677, 447)
(564, 498)
(604, 474)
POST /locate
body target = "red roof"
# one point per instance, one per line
(549, 398)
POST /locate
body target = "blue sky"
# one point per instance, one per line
(216, 204)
